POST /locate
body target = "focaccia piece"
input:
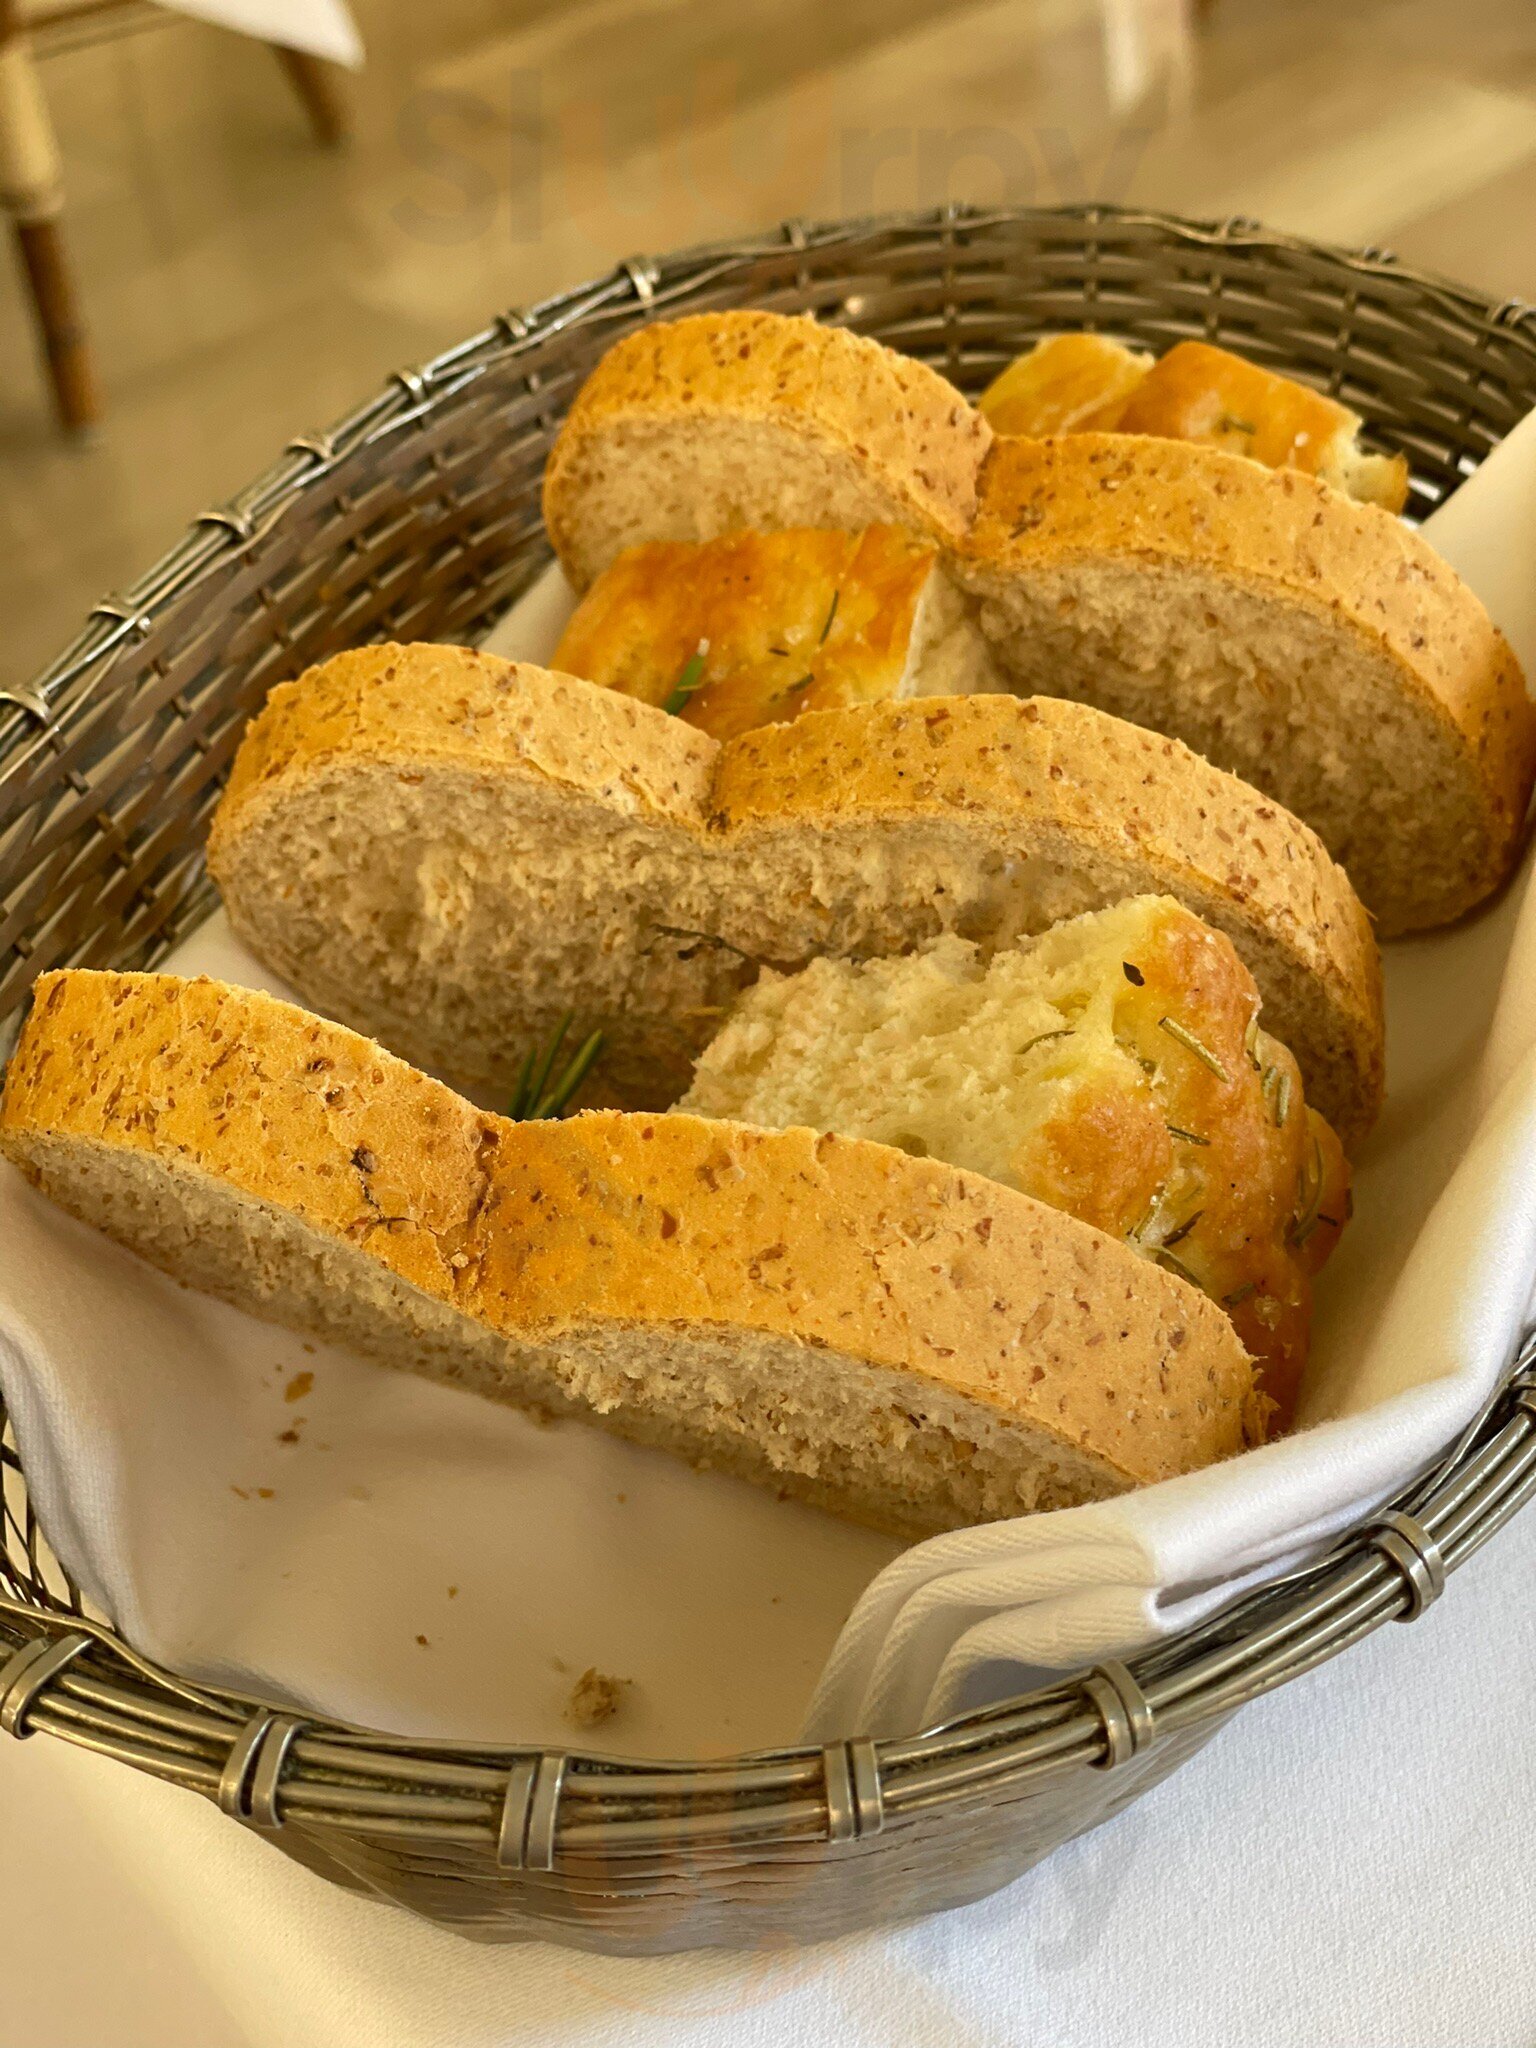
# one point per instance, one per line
(1113, 1067)
(756, 628)
(1086, 383)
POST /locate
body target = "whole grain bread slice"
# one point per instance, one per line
(1314, 646)
(689, 429)
(887, 1337)
(450, 851)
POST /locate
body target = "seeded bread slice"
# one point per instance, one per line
(886, 1337)
(1316, 647)
(450, 851)
(692, 428)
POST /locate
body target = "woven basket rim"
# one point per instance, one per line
(72, 1676)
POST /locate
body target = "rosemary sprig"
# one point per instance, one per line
(1240, 1294)
(826, 624)
(536, 1096)
(1185, 1037)
(688, 683)
(1189, 1137)
(1251, 1043)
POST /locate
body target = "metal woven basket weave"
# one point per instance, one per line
(417, 517)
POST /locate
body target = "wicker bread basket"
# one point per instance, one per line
(417, 517)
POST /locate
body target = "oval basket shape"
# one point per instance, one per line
(417, 517)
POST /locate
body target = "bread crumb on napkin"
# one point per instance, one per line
(595, 1698)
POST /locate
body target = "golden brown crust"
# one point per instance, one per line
(613, 1220)
(1066, 384)
(424, 704)
(1200, 393)
(1083, 497)
(756, 628)
(1019, 774)
(1085, 383)
(919, 440)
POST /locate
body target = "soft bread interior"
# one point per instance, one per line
(1270, 689)
(451, 853)
(1113, 1067)
(650, 480)
(948, 655)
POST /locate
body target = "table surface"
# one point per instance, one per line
(1350, 1862)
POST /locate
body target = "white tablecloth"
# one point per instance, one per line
(1350, 1864)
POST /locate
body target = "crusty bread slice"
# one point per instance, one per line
(886, 1337)
(1113, 1067)
(758, 628)
(1072, 383)
(1316, 647)
(450, 851)
(692, 428)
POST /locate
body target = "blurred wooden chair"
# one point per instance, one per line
(32, 186)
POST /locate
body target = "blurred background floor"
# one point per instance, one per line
(242, 286)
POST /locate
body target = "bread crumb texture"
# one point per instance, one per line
(894, 1338)
(691, 428)
(1113, 1067)
(1316, 647)
(450, 852)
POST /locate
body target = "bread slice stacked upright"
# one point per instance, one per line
(1307, 642)
(937, 1164)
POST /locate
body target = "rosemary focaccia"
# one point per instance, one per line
(757, 628)
(1113, 1067)
(691, 428)
(451, 852)
(1072, 383)
(693, 1284)
(1315, 647)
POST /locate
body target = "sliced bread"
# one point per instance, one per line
(1113, 1067)
(451, 851)
(887, 1337)
(1315, 647)
(692, 428)
(757, 628)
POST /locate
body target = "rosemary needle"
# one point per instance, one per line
(826, 626)
(691, 680)
(536, 1096)
(1175, 1264)
(556, 1100)
(518, 1107)
(1178, 1236)
(542, 1071)
(1190, 1043)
